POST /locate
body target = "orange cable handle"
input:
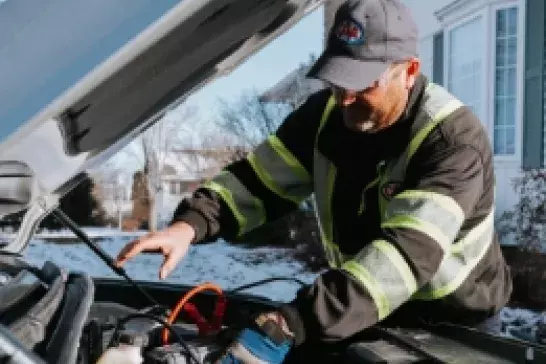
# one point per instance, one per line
(208, 286)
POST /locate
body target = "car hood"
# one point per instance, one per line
(81, 79)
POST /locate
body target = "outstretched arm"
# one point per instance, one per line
(269, 183)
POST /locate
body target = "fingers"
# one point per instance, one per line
(172, 243)
(166, 268)
(134, 248)
(171, 260)
(169, 264)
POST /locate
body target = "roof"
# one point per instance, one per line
(195, 164)
(294, 88)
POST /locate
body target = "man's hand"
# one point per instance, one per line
(172, 242)
(268, 340)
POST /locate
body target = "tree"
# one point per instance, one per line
(81, 205)
(112, 181)
(295, 88)
(249, 119)
(152, 147)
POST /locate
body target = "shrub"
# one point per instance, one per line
(525, 223)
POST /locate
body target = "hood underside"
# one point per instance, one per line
(82, 79)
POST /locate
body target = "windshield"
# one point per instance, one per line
(486, 54)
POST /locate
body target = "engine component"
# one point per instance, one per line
(205, 328)
(122, 354)
(176, 353)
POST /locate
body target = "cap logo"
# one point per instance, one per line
(350, 32)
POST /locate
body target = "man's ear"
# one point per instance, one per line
(412, 71)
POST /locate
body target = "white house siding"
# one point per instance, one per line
(423, 13)
(470, 68)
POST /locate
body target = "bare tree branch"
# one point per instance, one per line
(250, 120)
(151, 149)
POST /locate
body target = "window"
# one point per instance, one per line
(465, 66)
(173, 190)
(506, 55)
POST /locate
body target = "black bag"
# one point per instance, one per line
(44, 309)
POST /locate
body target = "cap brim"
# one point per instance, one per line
(347, 73)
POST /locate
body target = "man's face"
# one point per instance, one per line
(380, 105)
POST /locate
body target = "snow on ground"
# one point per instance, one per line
(524, 324)
(227, 265)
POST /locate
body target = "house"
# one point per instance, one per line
(127, 199)
(294, 88)
(185, 169)
(491, 55)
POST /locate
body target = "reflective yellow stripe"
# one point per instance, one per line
(324, 180)
(444, 112)
(438, 105)
(364, 276)
(444, 201)
(280, 171)
(247, 209)
(293, 162)
(423, 226)
(386, 275)
(464, 256)
(325, 114)
(400, 263)
(325, 174)
(431, 213)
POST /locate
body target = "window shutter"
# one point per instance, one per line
(438, 58)
(533, 94)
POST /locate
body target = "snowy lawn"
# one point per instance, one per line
(224, 264)
(227, 265)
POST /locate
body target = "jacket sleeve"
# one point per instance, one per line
(268, 183)
(448, 183)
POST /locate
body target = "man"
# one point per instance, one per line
(403, 179)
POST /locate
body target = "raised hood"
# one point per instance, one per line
(80, 79)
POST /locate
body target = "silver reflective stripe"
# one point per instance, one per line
(324, 179)
(465, 254)
(438, 216)
(247, 209)
(384, 272)
(280, 171)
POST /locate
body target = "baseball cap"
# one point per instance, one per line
(366, 38)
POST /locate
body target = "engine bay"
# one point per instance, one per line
(103, 331)
(50, 315)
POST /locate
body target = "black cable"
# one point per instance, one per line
(61, 216)
(266, 281)
(179, 338)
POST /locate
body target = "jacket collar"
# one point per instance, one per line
(414, 100)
